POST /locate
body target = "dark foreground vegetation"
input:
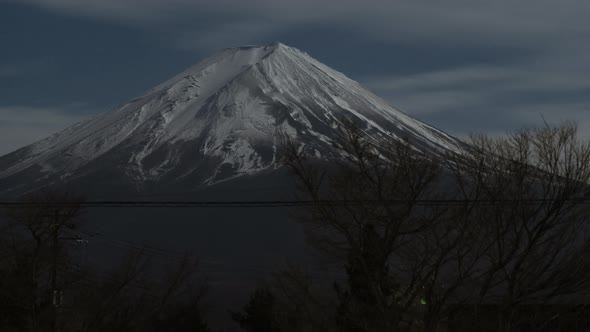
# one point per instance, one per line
(494, 238)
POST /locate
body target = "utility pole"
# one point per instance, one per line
(57, 295)
(45, 216)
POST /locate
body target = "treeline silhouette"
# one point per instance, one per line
(493, 237)
(44, 288)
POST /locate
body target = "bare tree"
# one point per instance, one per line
(525, 194)
(133, 297)
(41, 289)
(424, 235)
(369, 213)
(35, 230)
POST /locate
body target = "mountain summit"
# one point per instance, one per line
(214, 121)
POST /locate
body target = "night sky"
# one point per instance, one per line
(461, 65)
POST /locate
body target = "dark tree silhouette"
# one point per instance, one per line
(494, 228)
(259, 315)
(41, 289)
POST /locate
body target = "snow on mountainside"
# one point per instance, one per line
(214, 121)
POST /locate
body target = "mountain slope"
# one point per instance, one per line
(216, 120)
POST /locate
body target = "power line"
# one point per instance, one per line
(284, 203)
(140, 247)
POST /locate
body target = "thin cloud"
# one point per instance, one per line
(549, 78)
(473, 21)
(490, 98)
(218, 37)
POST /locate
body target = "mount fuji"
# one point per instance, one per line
(218, 120)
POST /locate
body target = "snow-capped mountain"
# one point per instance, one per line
(214, 121)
